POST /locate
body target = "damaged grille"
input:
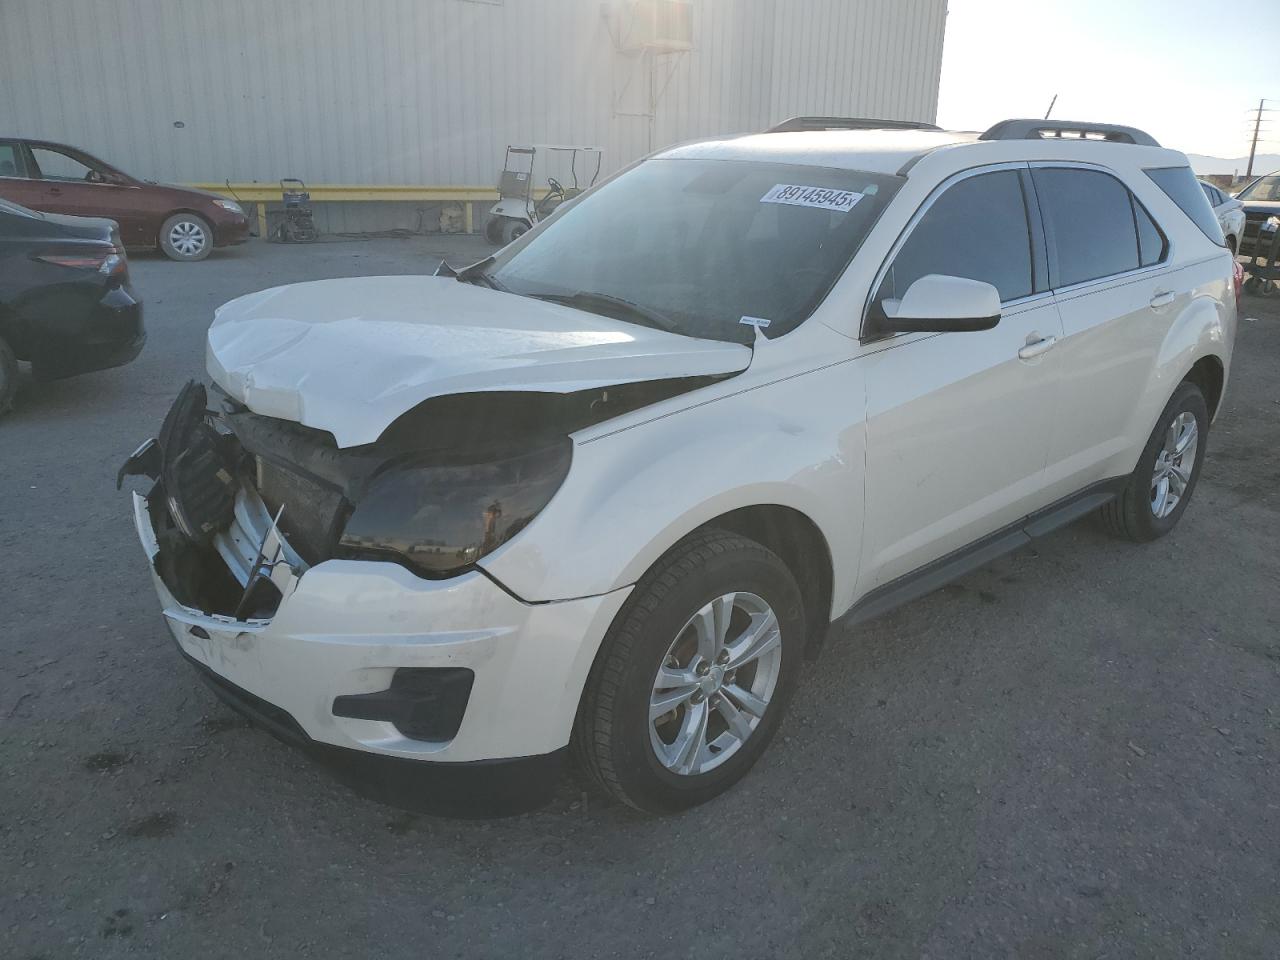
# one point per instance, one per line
(302, 470)
(312, 512)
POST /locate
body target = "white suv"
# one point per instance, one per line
(605, 489)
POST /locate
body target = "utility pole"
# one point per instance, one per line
(1253, 144)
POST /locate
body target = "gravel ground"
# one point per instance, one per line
(1071, 753)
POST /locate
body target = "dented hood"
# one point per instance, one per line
(351, 355)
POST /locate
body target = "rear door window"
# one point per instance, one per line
(10, 162)
(1180, 186)
(977, 228)
(1090, 225)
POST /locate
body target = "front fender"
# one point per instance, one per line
(632, 494)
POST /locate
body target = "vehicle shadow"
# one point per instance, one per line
(40, 399)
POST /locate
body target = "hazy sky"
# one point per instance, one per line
(1186, 71)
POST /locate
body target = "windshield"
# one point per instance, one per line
(705, 248)
(1265, 189)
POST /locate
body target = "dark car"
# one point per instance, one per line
(66, 304)
(1261, 201)
(52, 177)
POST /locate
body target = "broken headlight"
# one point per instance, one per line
(438, 516)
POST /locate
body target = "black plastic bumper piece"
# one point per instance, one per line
(474, 790)
(424, 703)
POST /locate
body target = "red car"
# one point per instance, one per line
(54, 178)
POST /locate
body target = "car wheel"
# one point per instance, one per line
(1161, 485)
(186, 236)
(8, 377)
(512, 229)
(693, 677)
(1251, 285)
(493, 230)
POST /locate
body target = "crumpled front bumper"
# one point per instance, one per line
(344, 627)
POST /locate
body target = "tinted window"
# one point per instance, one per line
(1181, 186)
(1089, 221)
(976, 229)
(1152, 244)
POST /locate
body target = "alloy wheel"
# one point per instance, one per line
(1174, 463)
(715, 683)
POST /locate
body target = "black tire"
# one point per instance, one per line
(1131, 515)
(612, 732)
(493, 230)
(187, 237)
(8, 377)
(512, 228)
(1252, 285)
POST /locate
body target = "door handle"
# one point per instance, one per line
(1163, 298)
(1036, 347)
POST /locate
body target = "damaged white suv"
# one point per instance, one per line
(605, 489)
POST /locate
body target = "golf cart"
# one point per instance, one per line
(520, 204)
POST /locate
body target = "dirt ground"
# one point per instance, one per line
(1071, 753)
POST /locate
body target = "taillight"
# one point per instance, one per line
(110, 261)
(1237, 274)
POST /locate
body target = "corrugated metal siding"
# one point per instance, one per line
(430, 91)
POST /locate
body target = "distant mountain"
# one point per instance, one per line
(1262, 163)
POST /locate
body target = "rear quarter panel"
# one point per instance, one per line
(1203, 325)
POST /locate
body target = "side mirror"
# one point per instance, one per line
(940, 304)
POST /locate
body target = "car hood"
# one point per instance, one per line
(350, 356)
(178, 188)
(1268, 207)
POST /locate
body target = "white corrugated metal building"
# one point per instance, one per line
(428, 92)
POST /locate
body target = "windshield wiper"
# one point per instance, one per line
(601, 302)
(476, 274)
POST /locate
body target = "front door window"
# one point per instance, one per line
(56, 165)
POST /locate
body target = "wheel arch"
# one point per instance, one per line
(1209, 374)
(801, 545)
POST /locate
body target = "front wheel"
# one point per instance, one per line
(186, 236)
(513, 228)
(692, 679)
(1161, 485)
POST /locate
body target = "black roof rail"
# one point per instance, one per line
(796, 124)
(1054, 129)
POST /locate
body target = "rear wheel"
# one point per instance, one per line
(493, 230)
(693, 678)
(1161, 485)
(8, 377)
(186, 236)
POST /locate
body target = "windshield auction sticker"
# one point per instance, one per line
(821, 197)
